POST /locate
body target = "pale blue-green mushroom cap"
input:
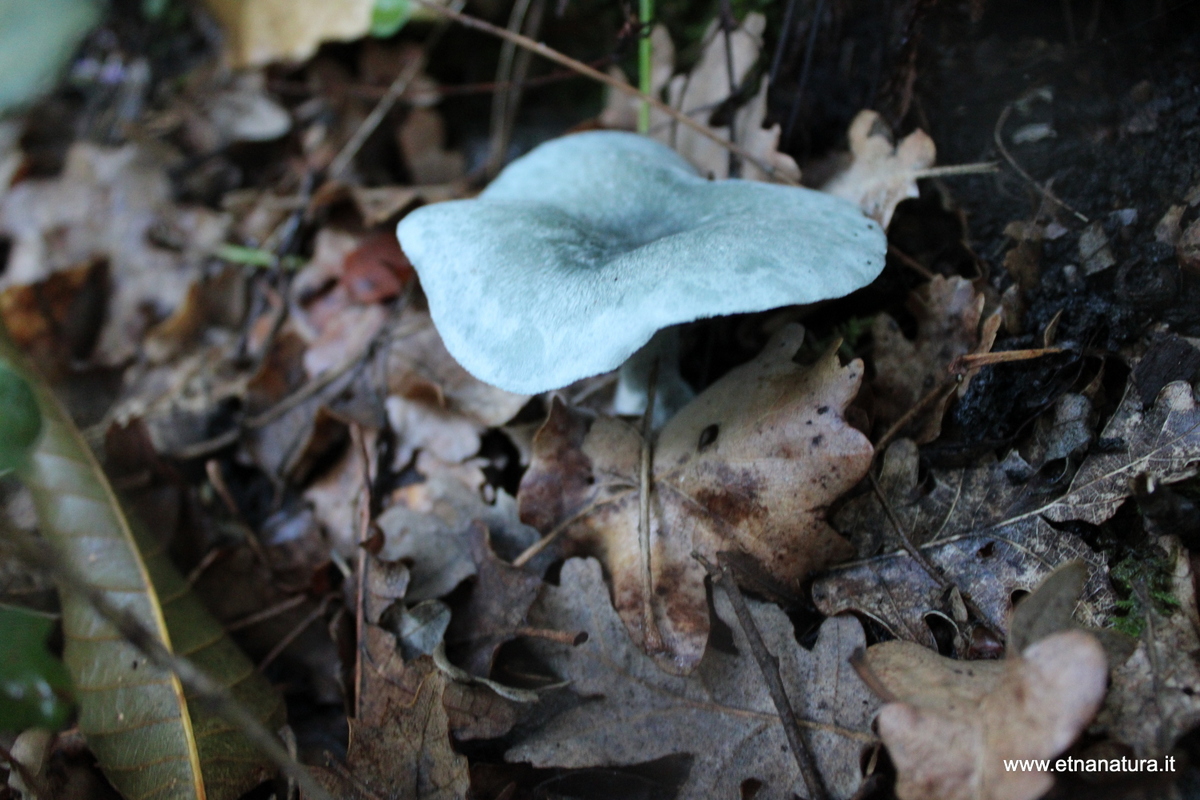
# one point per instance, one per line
(578, 252)
(37, 38)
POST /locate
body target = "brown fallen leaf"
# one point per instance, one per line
(430, 527)
(973, 526)
(881, 174)
(957, 723)
(497, 606)
(722, 714)
(948, 312)
(748, 466)
(383, 675)
(400, 748)
(376, 270)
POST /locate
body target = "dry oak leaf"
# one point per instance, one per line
(957, 722)
(748, 466)
(496, 607)
(948, 312)
(1162, 443)
(725, 59)
(400, 748)
(722, 714)
(881, 174)
(972, 525)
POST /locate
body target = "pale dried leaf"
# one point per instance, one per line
(431, 528)
(420, 360)
(881, 174)
(706, 87)
(959, 721)
(262, 31)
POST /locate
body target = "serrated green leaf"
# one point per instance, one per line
(34, 686)
(152, 741)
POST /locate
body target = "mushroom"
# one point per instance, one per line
(578, 253)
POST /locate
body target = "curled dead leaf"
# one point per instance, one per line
(881, 174)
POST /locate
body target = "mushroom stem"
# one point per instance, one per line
(633, 379)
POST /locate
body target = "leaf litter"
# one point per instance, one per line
(266, 334)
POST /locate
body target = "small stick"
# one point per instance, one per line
(769, 665)
(265, 614)
(910, 262)
(562, 637)
(1012, 162)
(294, 633)
(364, 564)
(202, 687)
(608, 80)
(934, 395)
(654, 641)
(950, 170)
(972, 361)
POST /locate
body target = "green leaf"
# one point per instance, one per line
(151, 740)
(34, 686)
(21, 422)
(389, 16)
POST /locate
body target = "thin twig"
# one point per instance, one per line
(358, 440)
(294, 633)
(970, 361)
(934, 395)
(768, 664)
(950, 170)
(342, 160)
(596, 75)
(1012, 162)
(501, 97)
(266, 613)
(654, 642)
(910, 262)
(562, 637)
(203, 688)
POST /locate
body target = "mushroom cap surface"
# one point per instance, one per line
(580, 250)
